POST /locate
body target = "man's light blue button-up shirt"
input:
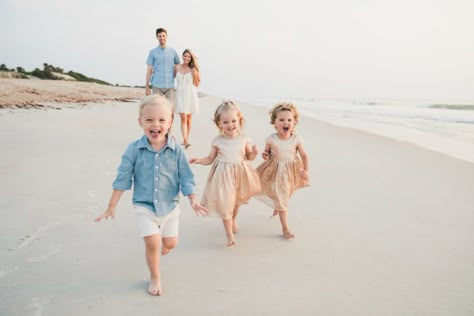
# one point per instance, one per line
(163, 61)
(157, 177)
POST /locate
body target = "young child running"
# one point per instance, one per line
(158, 169)
(232, 180)
(283, 171)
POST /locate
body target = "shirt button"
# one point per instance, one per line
(156, 179)
(156, 201)
(156, 167)
(156, 190)
(156, 155)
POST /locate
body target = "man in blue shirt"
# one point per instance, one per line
(160, 68)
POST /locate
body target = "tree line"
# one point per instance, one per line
(49, 71)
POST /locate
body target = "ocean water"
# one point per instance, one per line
(446, 127)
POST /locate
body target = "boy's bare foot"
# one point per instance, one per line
(231, 243)
(235, 227)
(275, 213)
(165, 251)
(288, 235)
(154, 288)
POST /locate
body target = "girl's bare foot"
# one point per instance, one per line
(231, 243)
(275, 213)
(288, 235)
(154, 288)
(235, 227)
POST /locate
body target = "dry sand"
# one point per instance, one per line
(35, 93)
(385, 228)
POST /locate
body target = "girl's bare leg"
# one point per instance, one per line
(168, 244)
(152, 253)
(228, 231)
(235, 226)
(184, 127)
(284, 225)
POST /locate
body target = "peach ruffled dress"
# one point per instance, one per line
(280, 174)
(232, 180)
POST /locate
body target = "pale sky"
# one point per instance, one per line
(249, 48)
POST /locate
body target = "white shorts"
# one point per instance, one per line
(150, 224)
(168, 93)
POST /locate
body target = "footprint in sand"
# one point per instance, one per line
(37, 234)
(51, 251)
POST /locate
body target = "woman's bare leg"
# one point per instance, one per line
(184, 127)
(188, 127)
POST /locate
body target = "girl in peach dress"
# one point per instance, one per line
(232, 180)
(286, 164)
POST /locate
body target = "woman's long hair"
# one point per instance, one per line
(193, 63)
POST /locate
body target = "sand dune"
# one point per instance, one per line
(35, 93)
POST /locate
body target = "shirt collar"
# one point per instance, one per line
(170, 143)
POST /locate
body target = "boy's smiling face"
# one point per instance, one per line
(155, 119)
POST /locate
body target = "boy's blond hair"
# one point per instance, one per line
(284, 106)
(154, 99)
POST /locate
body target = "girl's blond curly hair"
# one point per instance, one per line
(284, 106)
(225, 106)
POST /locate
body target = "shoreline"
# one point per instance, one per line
(57, 94)
(452, 147)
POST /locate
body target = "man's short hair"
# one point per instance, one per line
(161, 30)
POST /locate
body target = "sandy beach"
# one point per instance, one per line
(36, 93)
(384, 229)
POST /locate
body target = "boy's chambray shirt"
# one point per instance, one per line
(163, 61)
(157, 177)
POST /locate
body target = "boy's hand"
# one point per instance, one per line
(110, 212)
(265, 155)
(198, 208)
(194, 160)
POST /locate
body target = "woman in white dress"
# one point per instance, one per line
(186, 100)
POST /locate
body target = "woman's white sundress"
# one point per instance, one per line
(186, 100)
